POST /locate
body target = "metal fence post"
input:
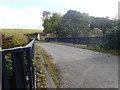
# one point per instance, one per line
(19, 57)
(5, 84)
(29, 66)
(19, 69)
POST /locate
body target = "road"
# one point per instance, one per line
(82, 68)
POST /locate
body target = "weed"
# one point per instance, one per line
(52, 68)
(40, 73)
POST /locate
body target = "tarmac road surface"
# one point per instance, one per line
(82, 68)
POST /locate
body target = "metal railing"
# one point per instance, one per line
(22, 67)
(89, 41)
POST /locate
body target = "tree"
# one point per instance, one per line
(55, 20)
(102, 23)
(51, 21)
(73, 24)
(45, 17)
(112, 39)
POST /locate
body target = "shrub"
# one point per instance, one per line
(18, 39)
(6, 42)
(111, 41)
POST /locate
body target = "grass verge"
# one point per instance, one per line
(41, 40)
(40, 72)
(112, 52)
(54, 72)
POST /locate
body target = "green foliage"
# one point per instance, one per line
(33, 35)
(51, 21)
(102, 23)
(112, 39)
(74, 24)
(9, 67)
(7, 42)
(18, 39)
(9, 70)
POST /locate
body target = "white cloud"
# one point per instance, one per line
(34, 9)
(99, 8)
(30, 17)
(103, 8)
(31, 0)
(15, 18)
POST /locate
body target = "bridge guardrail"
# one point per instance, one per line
(22, 66)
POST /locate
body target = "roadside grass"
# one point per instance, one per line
(40, 72)
(112, 52)
(41, 40)
(10, 32)
(95, 48)
(52, 68)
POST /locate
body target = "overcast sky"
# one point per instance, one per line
(27, 13)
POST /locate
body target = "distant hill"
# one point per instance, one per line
(10, 32)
